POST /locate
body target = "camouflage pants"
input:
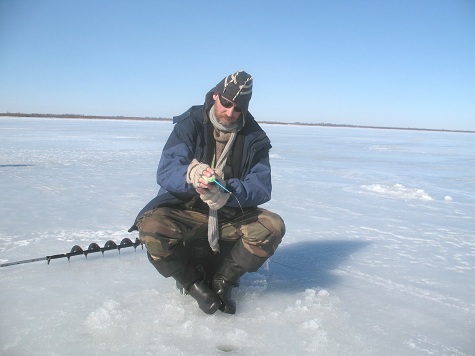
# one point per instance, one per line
(258, 232)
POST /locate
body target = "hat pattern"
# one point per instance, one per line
(237, 88)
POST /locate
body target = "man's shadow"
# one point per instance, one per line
(308, 264)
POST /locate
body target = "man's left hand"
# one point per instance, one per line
(215, 197)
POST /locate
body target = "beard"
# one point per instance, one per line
(225, 119)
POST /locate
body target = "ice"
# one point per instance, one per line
(378, 259)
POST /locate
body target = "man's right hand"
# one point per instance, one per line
(195, 173)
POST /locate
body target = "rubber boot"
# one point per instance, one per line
(193, 284)
(191, 281)
(226, 278)
(208, 301)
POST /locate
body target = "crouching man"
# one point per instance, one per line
(213, 174)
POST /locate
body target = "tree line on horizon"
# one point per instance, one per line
(149, 118)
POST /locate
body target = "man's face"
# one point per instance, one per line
(225, 111)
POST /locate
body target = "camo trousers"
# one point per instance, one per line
(258, 232)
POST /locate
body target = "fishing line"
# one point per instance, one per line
(213, 180)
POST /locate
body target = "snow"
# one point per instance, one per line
(378, 259)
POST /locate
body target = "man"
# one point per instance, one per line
(213, 174)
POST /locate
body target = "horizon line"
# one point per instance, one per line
(151, 118)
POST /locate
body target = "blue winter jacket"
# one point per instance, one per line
(192, 138)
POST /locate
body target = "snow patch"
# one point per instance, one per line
(398, 191)
(107, 316)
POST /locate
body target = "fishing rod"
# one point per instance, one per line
(77, 250)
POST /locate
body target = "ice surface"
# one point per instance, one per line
(379, 255)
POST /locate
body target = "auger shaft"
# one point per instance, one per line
(77, 250)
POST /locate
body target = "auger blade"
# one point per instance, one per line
(76, 250)
(126, 242)
(93, 247)
(110, 245)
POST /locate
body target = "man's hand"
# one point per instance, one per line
(195, 173)
(198, 175)
(215, 197)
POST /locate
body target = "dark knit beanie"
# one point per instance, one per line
(237, 88)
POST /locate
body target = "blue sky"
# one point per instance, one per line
(406, 63)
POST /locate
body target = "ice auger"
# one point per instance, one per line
(77, 250)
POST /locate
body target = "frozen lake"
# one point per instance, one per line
(379, 255)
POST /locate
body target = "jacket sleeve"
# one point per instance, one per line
(177, 154)
(256, 187)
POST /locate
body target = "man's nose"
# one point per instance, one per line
(230, 110)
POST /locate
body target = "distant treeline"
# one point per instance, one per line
(361, 126)
(77, 116)
(147, 118)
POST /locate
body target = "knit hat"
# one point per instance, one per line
(237, 88)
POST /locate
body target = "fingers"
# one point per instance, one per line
(207, 191)
(209, 172)
(205, 184)
(204, 179)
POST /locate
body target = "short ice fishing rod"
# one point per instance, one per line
(77, 250)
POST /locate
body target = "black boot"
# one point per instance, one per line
(193, 284)
(191, 281)
(207, 300)
(227, 276)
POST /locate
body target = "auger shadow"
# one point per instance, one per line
(309, 264)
